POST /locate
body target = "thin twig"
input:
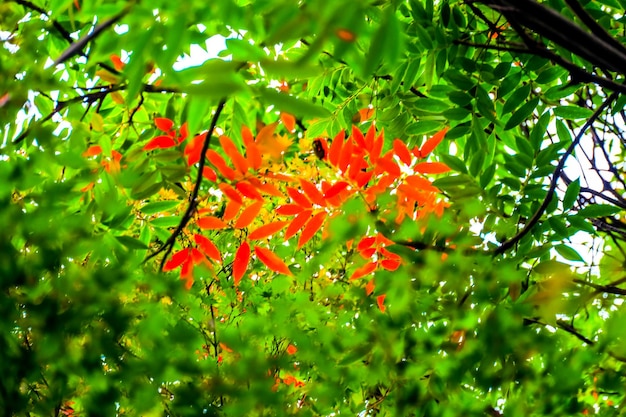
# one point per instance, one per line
(555, 178)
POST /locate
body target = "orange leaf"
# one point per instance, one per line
(311, 228)
(346, 35)
(289, 209)
(431, 143)
(380, 300)
(291, 349)
(336, 188)
(248, 190)
(335, 148)
(246, 135)
(230, 192)
(356, 164)
(421, 183)
(402, 151)
(176, 260)
(231, 210)
(366, 113)
(369, 288)
(160, 142)
(219, 163)
(248, 215)
(211, 223)
(431, 167)
(253, 156)
(366, 269)
(271, 260)
(239, 162)
(93, 150)
(312, 192)
(184, 132)
(358, 137)
(240, 264)
(389, 165)
(298, 197)
(208, 247)
(267, 230)
(163, 124)
(266, 187)
(297, 223)
(390, 264)
(289, 121)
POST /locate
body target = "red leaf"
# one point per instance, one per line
(93, 150)
(115, 59)
(335, 189)
(390, 264)
(267, 230)
(219, 163)
(431, 167)
(289, 209)
(402, 152)
(369, 137)
(289, 121)
(311, 228)
(271, 260)
(240, 264)
(248, 215)
(297, 223)
(291, 350)
(163, 124)
(365, 243)
(335, 148)
(356, 164)
(380, 300)
(184, 132)
(431, 143)
(208, 247)
(230, 192)
(193, 149)
(346, 155)
(248, 190)
(312, 192)
(366, 269)
(421, 183)
(363, 178)
(386, 163)
(253, 156)
(211, 223)
(369, 288)
(209, 174)
(298, 197)
(239, 162)
(161, 142)
(377, 148)
(176, 260)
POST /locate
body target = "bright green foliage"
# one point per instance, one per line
(120, 296)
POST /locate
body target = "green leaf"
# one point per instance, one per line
(572, 112)
(569, 253)
(167, 221)
(431, 105)
(131, 242)
(159, 206)
(571, 194)
(423, 127)
(516, 99)
(293, 105)
(521, 114)
(598, 210)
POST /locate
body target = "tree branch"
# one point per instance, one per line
(169, 244)
(555, 177)
(62, 31)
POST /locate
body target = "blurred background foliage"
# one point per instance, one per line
(510, 303)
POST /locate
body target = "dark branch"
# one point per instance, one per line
(169, 244)
(555, 178)
(77, 47)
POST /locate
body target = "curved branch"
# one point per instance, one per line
(555, 178)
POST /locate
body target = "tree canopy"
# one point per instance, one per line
(357, 207)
